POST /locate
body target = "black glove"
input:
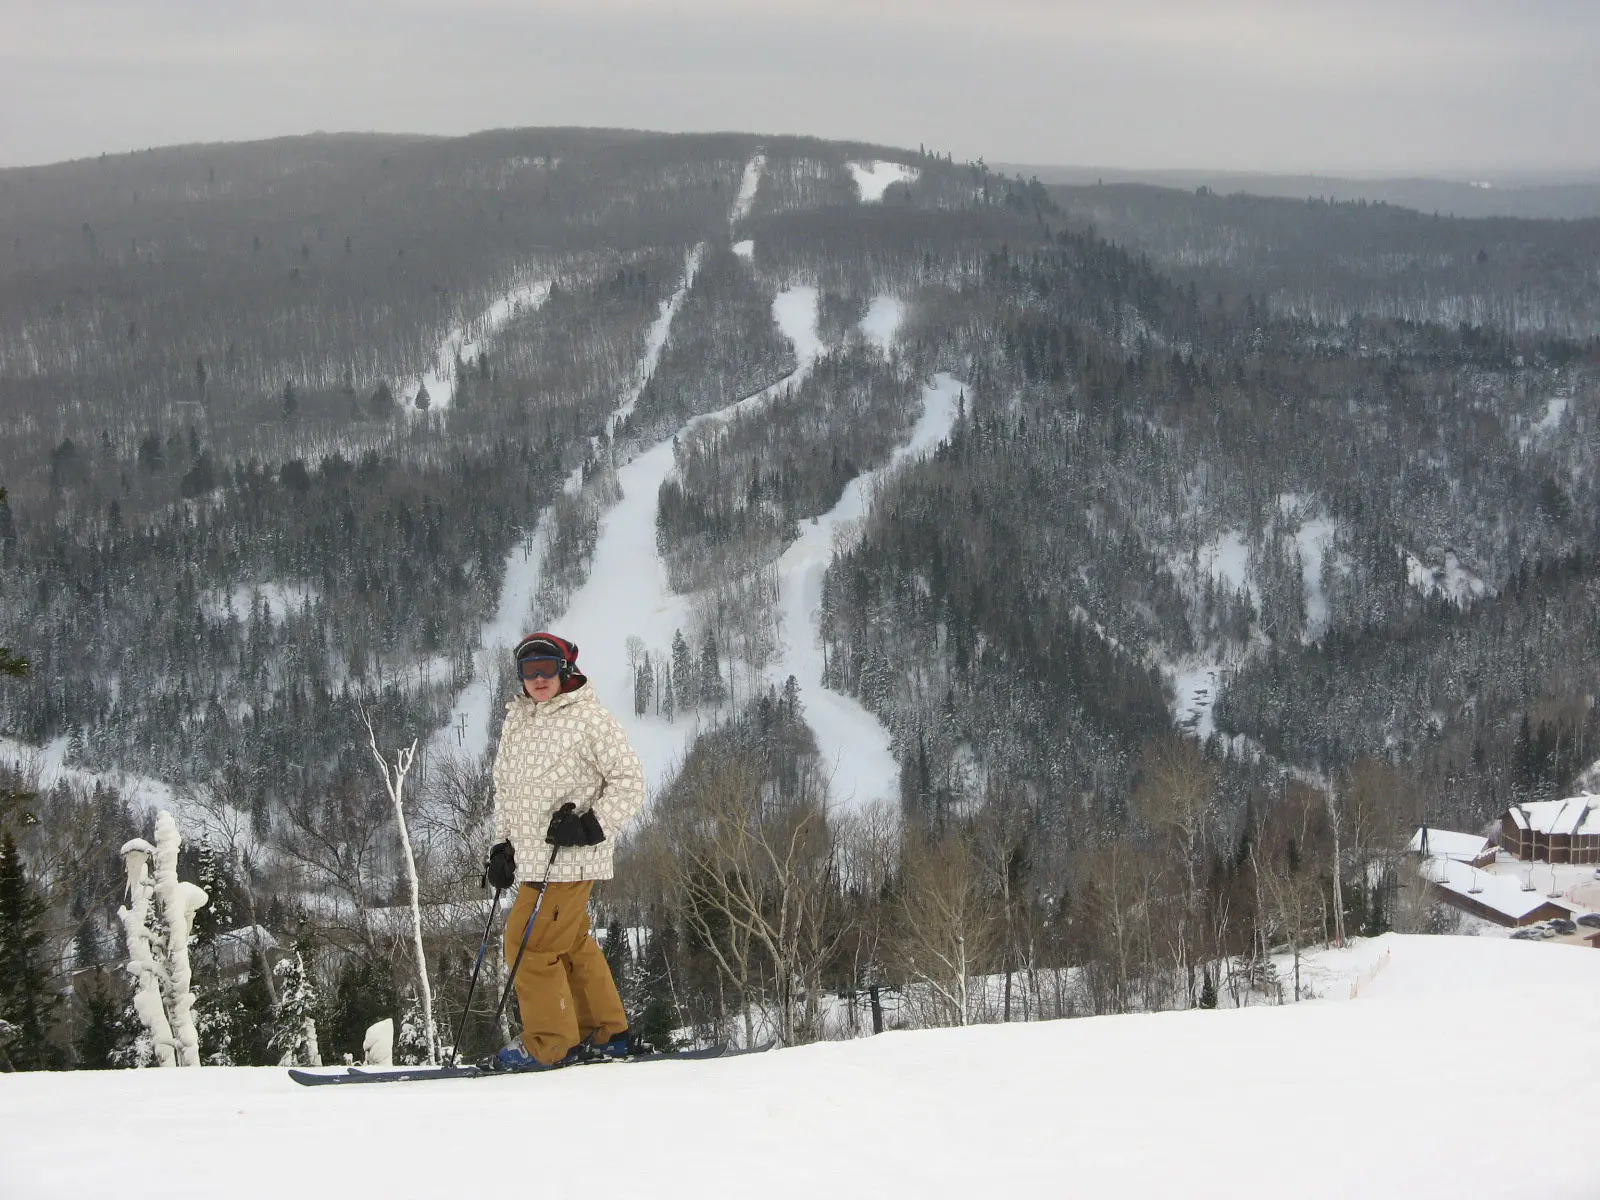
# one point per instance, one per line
(566, 828)
(593, 835)
(500, 872)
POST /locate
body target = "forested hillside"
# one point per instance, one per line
(1262, 529)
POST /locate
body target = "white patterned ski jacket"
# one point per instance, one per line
(568, 748)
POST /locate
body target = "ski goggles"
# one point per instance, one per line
(539, 668)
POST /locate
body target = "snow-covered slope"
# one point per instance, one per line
(465, 341)
(873, 179)
(1408, 1091)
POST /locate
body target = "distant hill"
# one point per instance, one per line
(1544, 198)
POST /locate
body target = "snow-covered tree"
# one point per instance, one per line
(179, 902)
(377, 1048)
(158, 943)
(144, 964)
(416, 1043)
(294, 1026)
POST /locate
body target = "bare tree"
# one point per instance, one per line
(946, 925)
(394, 782)
(1175, 797)
(754, 869)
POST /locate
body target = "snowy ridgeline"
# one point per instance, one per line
(1333, 1099)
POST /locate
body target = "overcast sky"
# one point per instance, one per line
(1469, 87)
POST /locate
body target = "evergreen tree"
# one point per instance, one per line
(644, 683)
(27, 1005)
(294, 1025)
(105, 1039)
(250, 1041)
(382, 399)
(291, 403)
(712, 690)
(683, 673)
(616, 952)
(655, 1016)
(424, 401)
(364, 993)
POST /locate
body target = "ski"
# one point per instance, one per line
(415, 1074)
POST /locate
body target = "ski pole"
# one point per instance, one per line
(511, 979)
(472, 984)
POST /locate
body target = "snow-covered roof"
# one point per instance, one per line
(1576, 814)
(1502, 893)
(1463, 847)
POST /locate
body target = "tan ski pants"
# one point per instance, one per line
(564, 987)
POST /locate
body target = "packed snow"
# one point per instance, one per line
(748, 186)
(745, 249)
(1404, 1092)
(1227, 559)
(882, 323)
(1194, 690)
(854, 745)
(873, 179)
(471, 718)
(466, 341)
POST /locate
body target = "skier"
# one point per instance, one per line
(564, 777)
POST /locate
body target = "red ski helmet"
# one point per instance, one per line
(548, 645)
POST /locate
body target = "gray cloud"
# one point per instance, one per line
(1402, 86)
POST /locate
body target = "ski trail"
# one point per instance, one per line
(627, 593)
(467, 340)
(656, 340)
(473, 712)
(854, 744)
(748, 186)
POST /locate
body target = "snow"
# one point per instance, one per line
(875, 178)
(1576, 814)
(745, 249)
(1503, 893)
(1335, 1098)
(1194, 689)
(1227, 558)
(748, 185)
(882, 323)
(627, 593)
(656, 339)
(1315, 539)
(1555, 408)
(471, 718)
(795, 310)
(1451, 579)
(279, 599)
(139, 791)
(855, 746)
(465, 341)
(1447, 843)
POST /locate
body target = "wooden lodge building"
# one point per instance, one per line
(1553, 831)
